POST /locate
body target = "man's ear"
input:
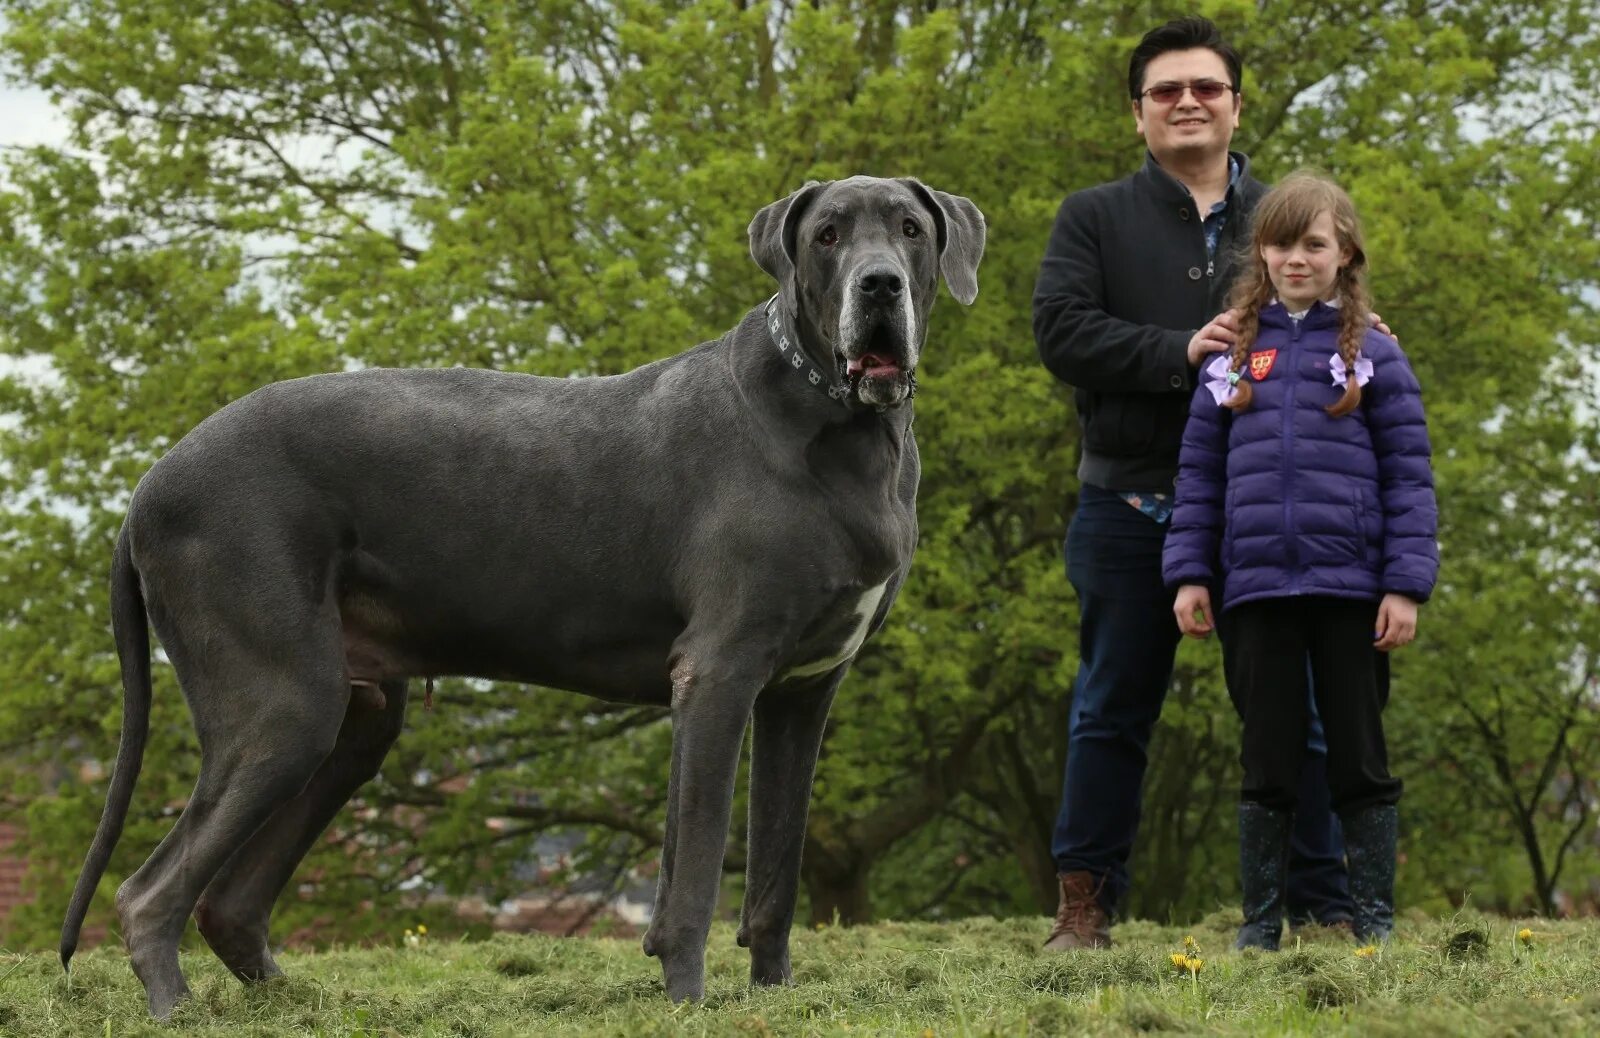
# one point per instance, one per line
(772, 235)
(962, 232)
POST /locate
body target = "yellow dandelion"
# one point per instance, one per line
(1180, 960)
(1189, 944)
(423, 930)
(1525, 935)
(1368, 952)
(408, 931)
(927, 1032)
(1195, 964)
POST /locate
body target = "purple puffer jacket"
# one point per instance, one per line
(1285, 500)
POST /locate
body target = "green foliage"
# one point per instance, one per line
(257, 191)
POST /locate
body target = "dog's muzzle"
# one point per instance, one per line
(877, 337)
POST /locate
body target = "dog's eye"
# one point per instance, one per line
(911, 229)
(828, 236)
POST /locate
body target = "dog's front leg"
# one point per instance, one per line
(710, 708)
(783, 759)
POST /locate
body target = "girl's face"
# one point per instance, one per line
(1304, 271)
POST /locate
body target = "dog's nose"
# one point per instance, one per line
(881, 285)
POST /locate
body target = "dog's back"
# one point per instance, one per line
(455, 520)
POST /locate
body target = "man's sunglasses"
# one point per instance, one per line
(1202, 89)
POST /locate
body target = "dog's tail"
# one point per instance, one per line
(132, 633)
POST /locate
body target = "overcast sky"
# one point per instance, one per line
(25, 114)
(26, 117)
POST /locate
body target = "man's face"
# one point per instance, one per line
(1186, 125)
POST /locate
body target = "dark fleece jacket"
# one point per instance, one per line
(1124, 284)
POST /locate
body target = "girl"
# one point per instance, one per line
(1305, 494)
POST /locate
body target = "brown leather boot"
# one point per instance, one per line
(1080, 921)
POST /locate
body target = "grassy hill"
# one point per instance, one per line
(1468, 975)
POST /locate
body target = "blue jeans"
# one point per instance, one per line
(1126, 643)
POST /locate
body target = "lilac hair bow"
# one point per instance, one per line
(1363, 369)
(1221, 379)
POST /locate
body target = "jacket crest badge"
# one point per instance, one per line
(1261, 363)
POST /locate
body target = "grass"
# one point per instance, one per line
(1469, 975)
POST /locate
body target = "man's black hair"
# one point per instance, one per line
(1181, 34)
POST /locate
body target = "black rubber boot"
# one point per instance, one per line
(1263, 872)
(1370, 836)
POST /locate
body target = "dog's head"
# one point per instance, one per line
(858, 264)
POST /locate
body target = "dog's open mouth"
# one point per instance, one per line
(880, 357)
(873, 365)
(878, 373)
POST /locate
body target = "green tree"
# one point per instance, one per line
(267, 188)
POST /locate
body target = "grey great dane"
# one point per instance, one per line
(718, 531)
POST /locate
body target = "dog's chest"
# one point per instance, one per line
(837, 636)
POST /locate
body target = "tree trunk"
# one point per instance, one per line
(839, 895)
(840, 852)
(1039, 871)
(1025, 806)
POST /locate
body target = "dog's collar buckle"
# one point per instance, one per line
(788, 343)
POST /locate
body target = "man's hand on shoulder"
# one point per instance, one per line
(1220, 333)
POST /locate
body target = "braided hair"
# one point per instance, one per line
(1285, 214)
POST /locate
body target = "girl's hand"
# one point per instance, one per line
(1397, 622)
(1193, 599)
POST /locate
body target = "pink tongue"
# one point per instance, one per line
(872, 364)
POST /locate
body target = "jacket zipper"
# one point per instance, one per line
(1200, 225)
(1292, 547)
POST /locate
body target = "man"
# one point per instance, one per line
(1132, 270)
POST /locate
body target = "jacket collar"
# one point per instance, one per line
(1321, 315)
(1168, 186)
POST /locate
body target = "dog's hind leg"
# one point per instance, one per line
(267, 713)
(783, 759)
(236, 907)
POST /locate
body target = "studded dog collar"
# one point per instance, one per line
(788, 342)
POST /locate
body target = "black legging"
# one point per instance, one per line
(1265, 647)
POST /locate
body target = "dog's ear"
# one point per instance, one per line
(772, 233)
(961, 237)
